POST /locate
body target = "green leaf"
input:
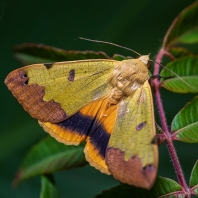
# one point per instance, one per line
(48, 187)
(49, 156)
(29, 53)
(179, 52)
(187, 80)
(119, 57)
(184, 28)
(185, 123)
(163, 187)
(194, 179)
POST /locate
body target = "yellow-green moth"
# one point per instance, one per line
(106, 103)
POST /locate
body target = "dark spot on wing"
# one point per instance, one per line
(48, 65)
(149, 168)
(71, 75)
(140, 126)
(154, 141)
(24, 76)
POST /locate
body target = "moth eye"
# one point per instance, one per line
(149, 64)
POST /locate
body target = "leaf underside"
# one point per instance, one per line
(49, 156)
(184, 28)
(163, 187)
(48, 187)
(30, 53)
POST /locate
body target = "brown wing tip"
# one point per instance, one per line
(31, 98)
(131, 171)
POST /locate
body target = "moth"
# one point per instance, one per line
(106, 103)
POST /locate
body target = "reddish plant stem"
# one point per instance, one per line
(169, 141)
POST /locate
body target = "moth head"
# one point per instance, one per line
(145, 59)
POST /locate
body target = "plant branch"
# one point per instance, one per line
(167, 134)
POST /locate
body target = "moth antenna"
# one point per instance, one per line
(106, 42)
(109, 43)
(173, 73)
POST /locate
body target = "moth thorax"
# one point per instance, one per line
(116, 96)
(129, 76)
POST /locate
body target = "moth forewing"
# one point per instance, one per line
(131, 155)
(53, 92)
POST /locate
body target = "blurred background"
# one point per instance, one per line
(140, 25)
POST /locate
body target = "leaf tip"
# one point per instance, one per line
(16, 180)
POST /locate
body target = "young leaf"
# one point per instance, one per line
(48, 187)
(187, 80)
(185, 123)
(30, 53)
(184, 28)
(163, 187)
(49, 156)
(179, 52)
(194, 179)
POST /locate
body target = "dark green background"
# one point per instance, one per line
(140, 25)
